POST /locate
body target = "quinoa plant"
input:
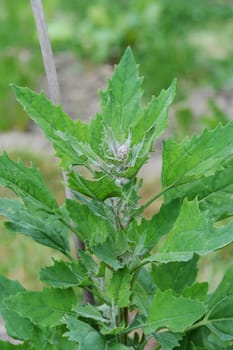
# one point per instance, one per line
(141, 273)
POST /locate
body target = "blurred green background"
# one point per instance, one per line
(190, 40)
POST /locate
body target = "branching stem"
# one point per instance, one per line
(150, 201)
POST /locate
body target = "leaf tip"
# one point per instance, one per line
(128, 56)
(17, 89)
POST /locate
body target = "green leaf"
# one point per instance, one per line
(196, 291)
(220, 308)
(81, 332)
(17, 327)
(107, 253)
(144, 131)
(88, 263)
(96, 134)
(100, 189)
(42, 227)
(213, 192)
(52, 339)
(90, 312)
(151, 124)
(174, 313)
(111, 330)
(175, 275)
(192, 236)
(118, 289)
(59, 342)
(92, 228)
(45, 308)
(215, 343)
(143, 291)
(154, 116)
(144, 236)
(80, 271)
(200, 156)
(117, 347)
(60, 275)
(52, 120)
(121, 102)
(168, 340)
(215, 195)
(203, 339)
(64, 344)
(76, 152)
(8, 346)
(27, 183)
(96, 207)
(41, 338)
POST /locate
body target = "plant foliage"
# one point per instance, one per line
(142, 272)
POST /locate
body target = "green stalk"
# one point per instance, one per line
(123, 313)
(154, 198)
(126, 319)
(198, 324)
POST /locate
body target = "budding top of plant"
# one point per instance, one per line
(116, 150)
(122, 151)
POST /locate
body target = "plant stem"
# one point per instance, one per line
(126, 320)
(144, 342)
(54, 92)
(150, 201)
(69, 256)
(134, 278)
(198, 324)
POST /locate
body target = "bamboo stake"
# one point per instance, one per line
(54, 94)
